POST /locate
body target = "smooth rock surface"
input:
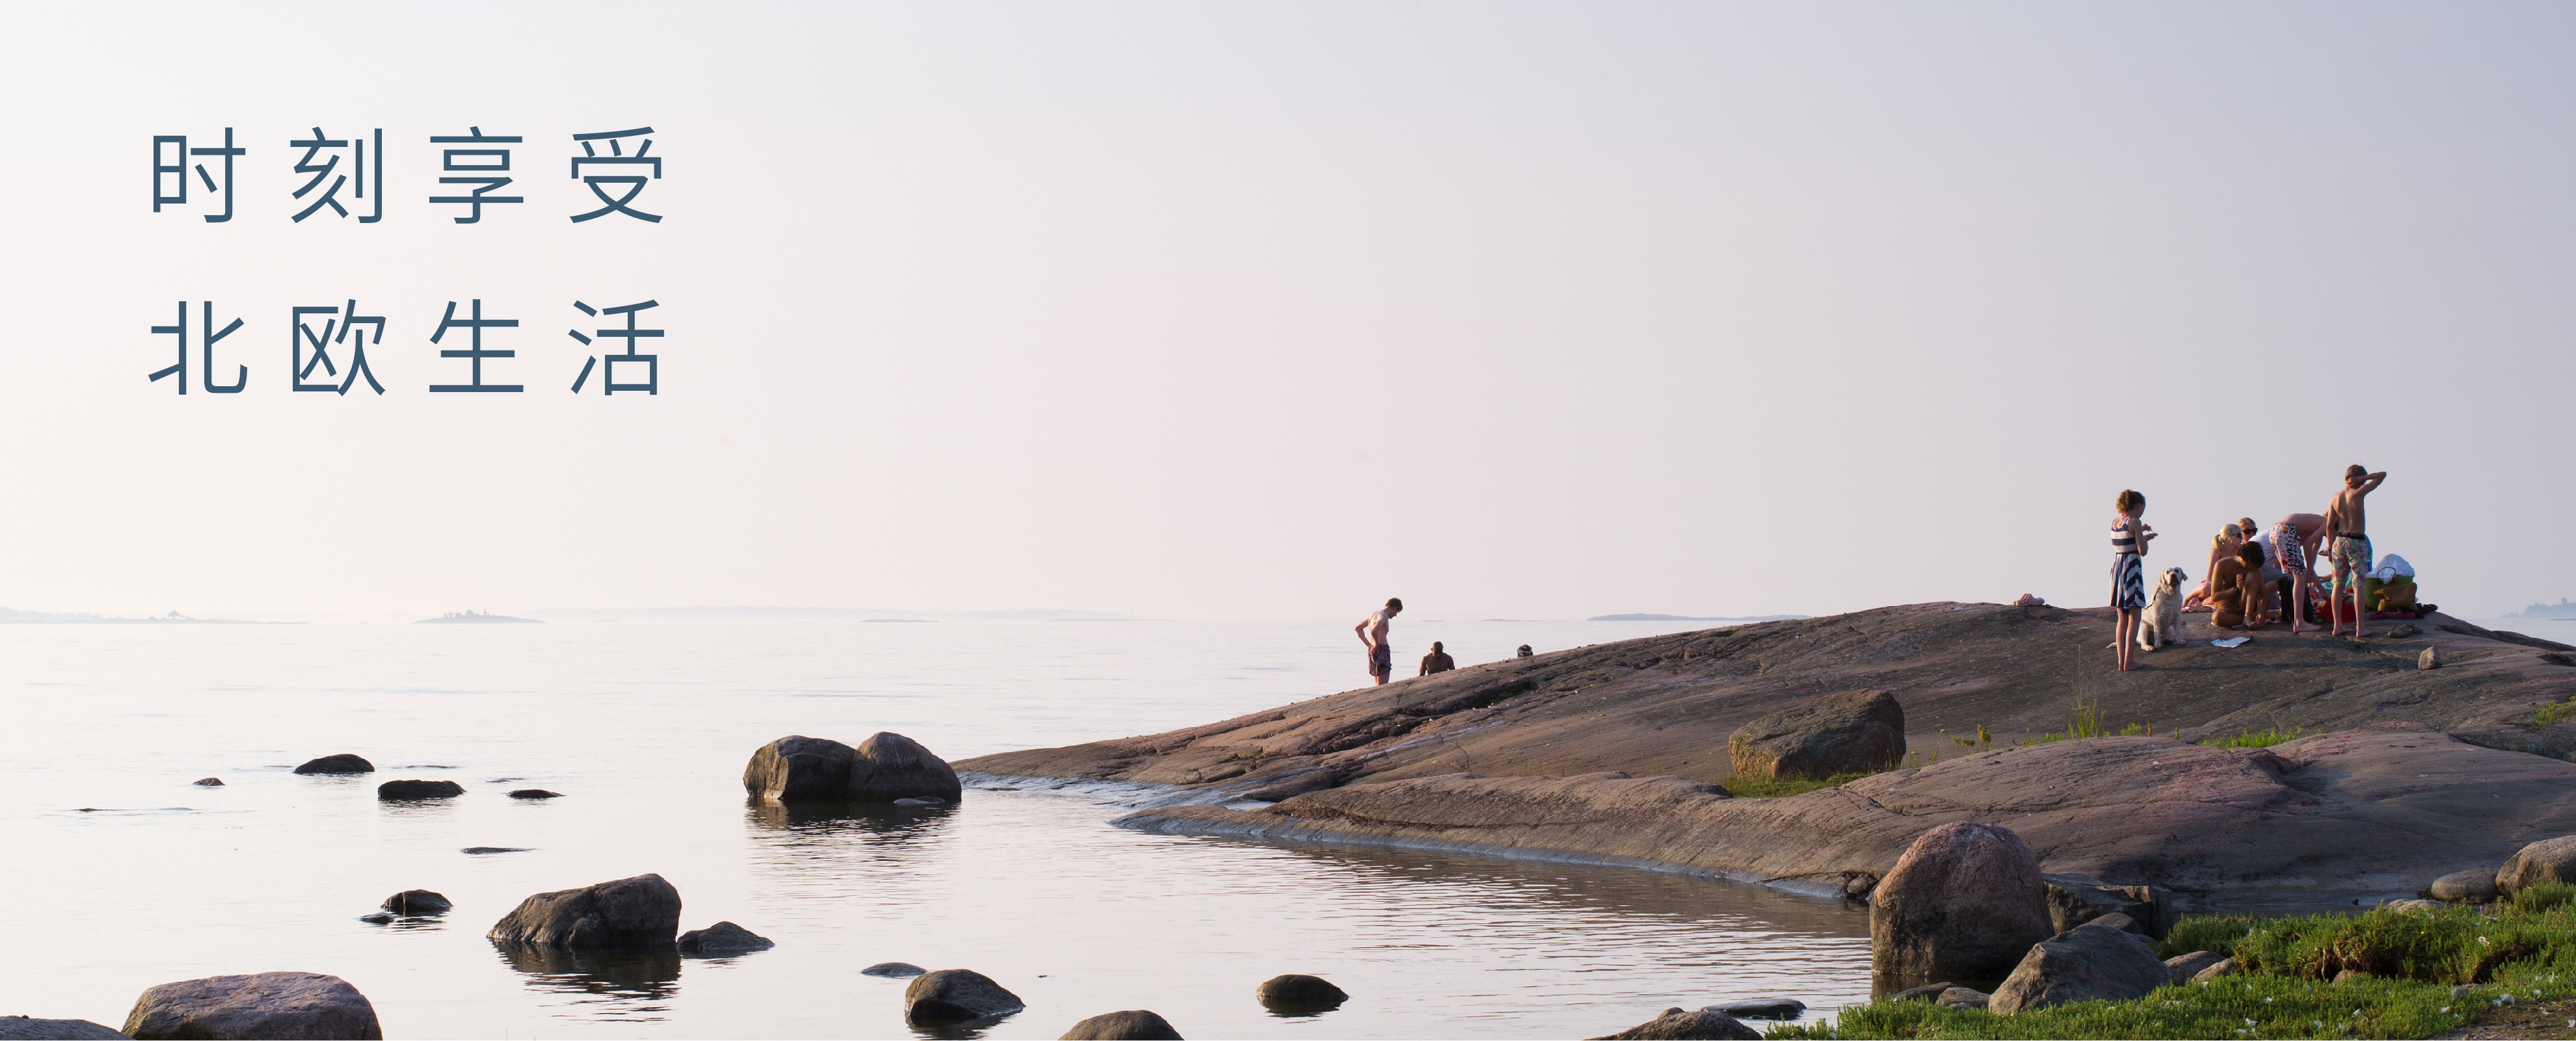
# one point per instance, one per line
(1764, 1008)
(889, 766)
(344, 763)
(643, 911)
(418, 902)
(2085, 963)
(535, 793)
(1131, 1025)
(2182, 967)
(202, 782)
(893, 969)
(798, 767)
(413, 791)
(721, 939)
(29, 1028)
(957, 996)
(1857, 732)
(2548, 860)
(2074, 900)
(1297, 990)
(289, 1005)
(1678, 1023)
(2471, 886)
(1965, 901)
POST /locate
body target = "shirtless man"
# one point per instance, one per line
(1437, 661)
(1372, 632)
(2293, 543)
(2351, 550)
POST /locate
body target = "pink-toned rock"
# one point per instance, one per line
(293, 1005)
(1965, 902)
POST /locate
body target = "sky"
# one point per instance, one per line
(1274, 310)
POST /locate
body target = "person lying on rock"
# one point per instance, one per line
(2240, 597)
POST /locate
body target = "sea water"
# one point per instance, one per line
(120, 874)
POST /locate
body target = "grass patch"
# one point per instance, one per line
(2555, 711)
(2227, 1007)
(2255, 738)
(1759, 788)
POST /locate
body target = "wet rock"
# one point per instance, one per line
(2548, 860)
(2182, 967)
(485, 851)
(798, 767)
(893, 969)
(1858, 732)
(28, 1028)
(413, 791)
(418, 901)
(1965, 901)
(378, 917)
(1764, 1008)
(2074, 900)
(1299, 991)
(1963, 997)
(1131, 1025)
(2473, 886)
(202, 782)
(295, 1005)
(2407, 906)
(891, 766)
(1678, 1023)
(2085, 963)
(957, 996)
(721, 939)
(344, 763)
(643, 911)
(2225, 967)
(1926, 992)
(535, 793)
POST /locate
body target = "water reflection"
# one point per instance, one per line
(627, 985)
(882, 821)
(958, 1031)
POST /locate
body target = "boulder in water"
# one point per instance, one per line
(2086, 963)
(1680, 1024)
(1298, 992)
(893, 970)
(264, 1005)
(2548, 860)
(1131, 1025)
(1764, 1008)
(414, 791)
(344, 763)
(722, 938)
(890, 766)
(29, 1028)
(1857, 732)
(418, 902)
(957, 996)
(1965, 901)
(535, 793)
(643, 911)
(798, 767)
(202, 782)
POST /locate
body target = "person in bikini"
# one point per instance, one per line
(2293, 543)
(1372, 631)
(2350, 553)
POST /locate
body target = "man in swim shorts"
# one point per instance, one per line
(1372, 632)
(2292, 543)
(2350, 553)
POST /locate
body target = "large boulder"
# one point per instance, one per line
(643, 911)
(2085, 963)
(721, 939)
(1964, 902)
(1857, 732)
(2548, 860)
(1131, 1025)
(798, 767)
(29, 1028)
(344, 763)
(291, 1005)
(418, 902)
(891, 766)
(1680, 1024)
(957, 996)
(1298, 992)
(2074, 900)
(2473, 886)
(413, 791)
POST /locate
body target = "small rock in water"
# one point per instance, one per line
(418, 901)
(344, 763)
(379, 917)
(535, 793)
(268, 1004)
(1297, 993)
(12, 1028)
(957, 996)
(894, 969)
(202, 782)
(1677, 1024)
(414, 791)
(1764, 1008)
(476, 851)
(721, 939)
(1131, 1025)
(643, 911)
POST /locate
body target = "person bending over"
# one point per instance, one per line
(1372, 630)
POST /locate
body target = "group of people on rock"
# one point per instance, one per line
(2253, 570)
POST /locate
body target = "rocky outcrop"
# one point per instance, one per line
(1858, 732)
(2074, 900)
(1679, 1023)
(291, 1005)
(1963, 902)
(414, 791)
(891, 767)
(893, 969)
(2472, 886)
(202, 782)
(1131, 1025)
(29, 1028)
(344, 763)
(2548, 860)
(1297, 991)
(722, 939)
(643, 911)
(2182, 967)
(2086, 963)
(418, 902)
(957, 996)
(2555, 740)
(798, 767)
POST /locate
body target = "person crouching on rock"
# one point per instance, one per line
(2129, 537)
(1372, 630)
(2237, 590)
(1436, 661)
(2229, 539)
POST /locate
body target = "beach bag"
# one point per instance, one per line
(2394, 596)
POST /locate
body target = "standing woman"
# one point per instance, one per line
(2129, 538)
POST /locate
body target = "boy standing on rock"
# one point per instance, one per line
(1372, 631)
(2350, 551)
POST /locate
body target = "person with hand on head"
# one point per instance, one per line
(2350, 552)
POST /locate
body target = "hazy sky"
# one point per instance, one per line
(1273, 311)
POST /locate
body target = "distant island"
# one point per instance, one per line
(475, 618)
(2561, 609)
(1692, 618)
(10, 616)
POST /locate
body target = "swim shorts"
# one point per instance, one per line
(2286, 551)
(2351, 559)
(1382, 661)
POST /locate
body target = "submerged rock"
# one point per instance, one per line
(2085, 963)
(1859, 732)
(1677, 1024)
(535, 793)
(2182, 967)
(378, 917)
(643, 911)
(414, 791)
(890, 766)
(1297, 991)
(721, 939)
(893, 969)
(957, 996)
(1965, 901)
(202, 782)
(2548, 860)
(344, 763)
(1764, 1008)
(1131, 1025)
(2473, 886)
(485, 851)
(28, 1028)
(296, 1005)
(418, 902)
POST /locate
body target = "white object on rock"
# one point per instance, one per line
(2232, 641)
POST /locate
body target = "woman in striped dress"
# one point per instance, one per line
(2129, 538)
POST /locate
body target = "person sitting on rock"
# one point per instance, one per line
(1436, 661)
(2237, 590)
(2225, 545)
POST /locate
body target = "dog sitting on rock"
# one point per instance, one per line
(2162, 622)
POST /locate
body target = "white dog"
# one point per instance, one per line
(2162, 623)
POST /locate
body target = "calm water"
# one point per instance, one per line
(121, 874)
